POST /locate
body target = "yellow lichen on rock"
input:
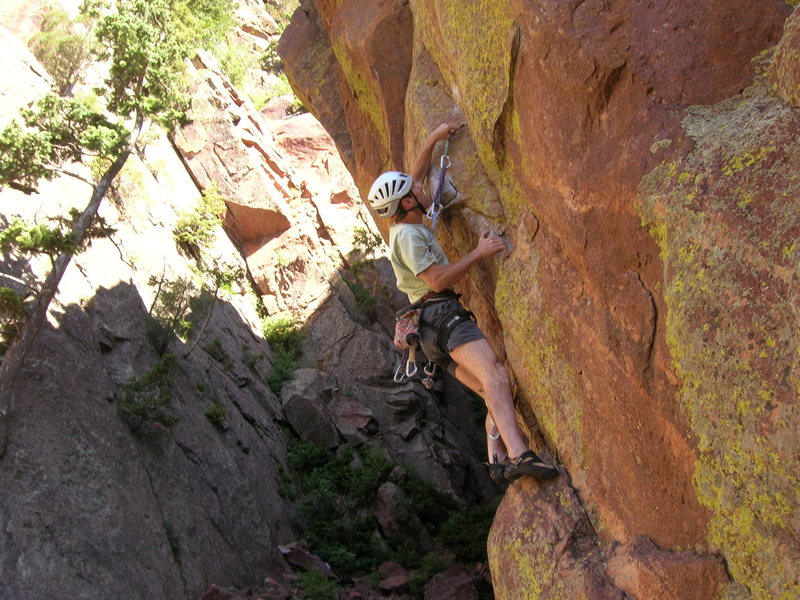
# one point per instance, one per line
(731, 326)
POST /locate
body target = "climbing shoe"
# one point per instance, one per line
(497, 471)
(531, 465)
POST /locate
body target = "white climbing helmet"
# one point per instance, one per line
(387, 191)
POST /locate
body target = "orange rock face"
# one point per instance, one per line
(640, 159)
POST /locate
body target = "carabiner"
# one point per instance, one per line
(399, 375)
(411, 369)
(411, 363)
(433, 210)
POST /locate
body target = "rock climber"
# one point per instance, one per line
(449, 337)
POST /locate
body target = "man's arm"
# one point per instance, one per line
(420, 168)
(441, 277)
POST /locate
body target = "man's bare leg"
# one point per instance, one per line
(494, 441)
(480, 361)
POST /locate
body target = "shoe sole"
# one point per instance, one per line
(497, 473)
(539, 471)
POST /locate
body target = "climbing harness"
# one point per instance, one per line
(453, 319)
(444, 164)
(407, 337)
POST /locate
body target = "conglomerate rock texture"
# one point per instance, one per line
(642, 161)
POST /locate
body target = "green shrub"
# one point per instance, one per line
(63, 47)
(285, 341)
(12, 314)
(270, 60)
(432, 506)
(466, 530)
(316, 586)
(335, 494)
(281, 10)
(365, 302)
(168, 314)
(216, 351)
(335, 498)
(195, 230)
(216, 415)
(366, 241)
(430, 565)
(236, 60)
(365, 282)
(148, 397)
(23, 238)
(251, 359)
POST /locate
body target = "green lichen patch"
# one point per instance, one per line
(727, 233)
(361, 86)
(532, 342)
(474, 39)
(542, 546)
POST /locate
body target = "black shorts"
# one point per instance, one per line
(434, 314)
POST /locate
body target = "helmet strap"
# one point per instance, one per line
(402, 212)
(419, 204)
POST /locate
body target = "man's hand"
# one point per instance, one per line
(445, 130)
(423, 162)
(490, 245)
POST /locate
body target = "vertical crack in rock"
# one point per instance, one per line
(609, 84)
(162, 514)
(499, 131)
(651, 337)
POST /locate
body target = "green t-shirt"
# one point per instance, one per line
(412, 249)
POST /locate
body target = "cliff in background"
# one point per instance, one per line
(642, 161)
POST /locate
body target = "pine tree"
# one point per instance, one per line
(145, 43)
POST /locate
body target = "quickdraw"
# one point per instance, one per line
(410, 364)
(430, 371)
(444, 164)
(408, 368)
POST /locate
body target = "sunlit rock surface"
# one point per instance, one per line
(641, 161)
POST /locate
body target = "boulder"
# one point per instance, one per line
(395, 584)
(542, 545)
(214, 592)
(305, 400)
(397, 522)
(645, 571)
(453, 584)
(354, 421)
(392, 569)
(297, 555)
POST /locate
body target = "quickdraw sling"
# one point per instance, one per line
(444, 164)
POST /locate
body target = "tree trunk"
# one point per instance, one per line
(15, 355)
